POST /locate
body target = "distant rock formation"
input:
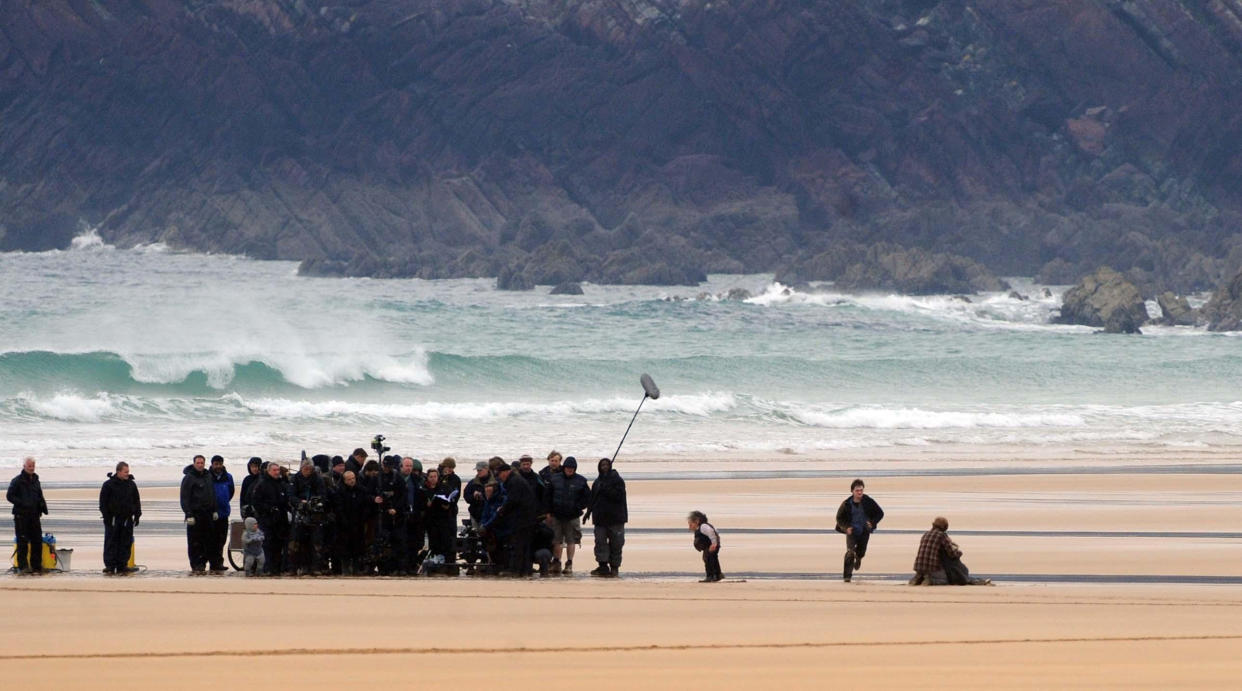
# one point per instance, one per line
(635, 140)
(567, 288)
(1223, 312)
(891, 268)
(1176, 310)
(1105, 299)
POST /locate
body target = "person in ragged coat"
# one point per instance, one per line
(26, 495)
(121, 507)
(271, 507)
(222, 485)
(609, 511)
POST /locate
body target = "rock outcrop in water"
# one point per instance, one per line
(1223, 312)
(641, 140)
(1106, 299)
(1176, 310)
(888, 267)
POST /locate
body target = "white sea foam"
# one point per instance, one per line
(700, 405)
(70, 407)
(916, 418)
(89, 240)
(306, 370)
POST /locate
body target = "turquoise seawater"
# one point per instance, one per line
(150, 356)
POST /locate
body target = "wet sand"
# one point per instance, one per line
(1149, 534)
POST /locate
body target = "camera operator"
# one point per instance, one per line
(271, 507)
(390, 495)
(493, 531)
(356, 461)
(310, 518)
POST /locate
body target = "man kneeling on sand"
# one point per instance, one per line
(939, 560)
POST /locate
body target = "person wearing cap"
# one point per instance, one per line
(528, 474)
(609, 512)
(450, 492)
(519, 512)
(567, 496)
(222, 483)
(552, 468)
(474, 494)
(254, 473)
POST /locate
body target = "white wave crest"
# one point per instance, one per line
(916, 418)
(306, 370)
(89, 240)
(698, 405)
(68, 407)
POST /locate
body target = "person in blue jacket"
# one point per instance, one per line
(222, 483)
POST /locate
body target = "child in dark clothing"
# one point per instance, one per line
(707, 541)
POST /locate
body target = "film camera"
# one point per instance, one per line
(471, 549)
(378, 444)
(313, 511)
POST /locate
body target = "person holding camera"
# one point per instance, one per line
(309, 518)
(271, 507)
(355, 510)
(519, 513)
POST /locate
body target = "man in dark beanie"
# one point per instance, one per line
(609, 512)
(121, 508)
(26, 495)
(222, 485)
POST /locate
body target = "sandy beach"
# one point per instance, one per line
(1105, 576)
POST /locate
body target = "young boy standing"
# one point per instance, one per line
(707, 541)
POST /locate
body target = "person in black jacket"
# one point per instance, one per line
(121, 508)
(271, 507)
(475, 494)
(449, 492)
(254, 469)
(26, 495)
(532, 478)
(609, 513)
(198, 503)
(355, 508)
(857, 517)
(567, 495)
(518, 514)
(310, 517)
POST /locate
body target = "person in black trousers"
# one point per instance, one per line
(121, 508)
(198, 503)
(26, 495)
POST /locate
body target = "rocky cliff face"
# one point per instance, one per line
(631, 140)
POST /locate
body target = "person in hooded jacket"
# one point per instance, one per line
(567, 496)
(198, 503)
(121, 508)
(222, 484)
(271, 507)
(254, 470)
(26, 495)
(609, 512)
(474, 493)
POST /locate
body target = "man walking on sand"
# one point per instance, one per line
(857, 517)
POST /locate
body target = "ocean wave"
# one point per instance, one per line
(697, 405)
(868, 417)
(215, 370)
